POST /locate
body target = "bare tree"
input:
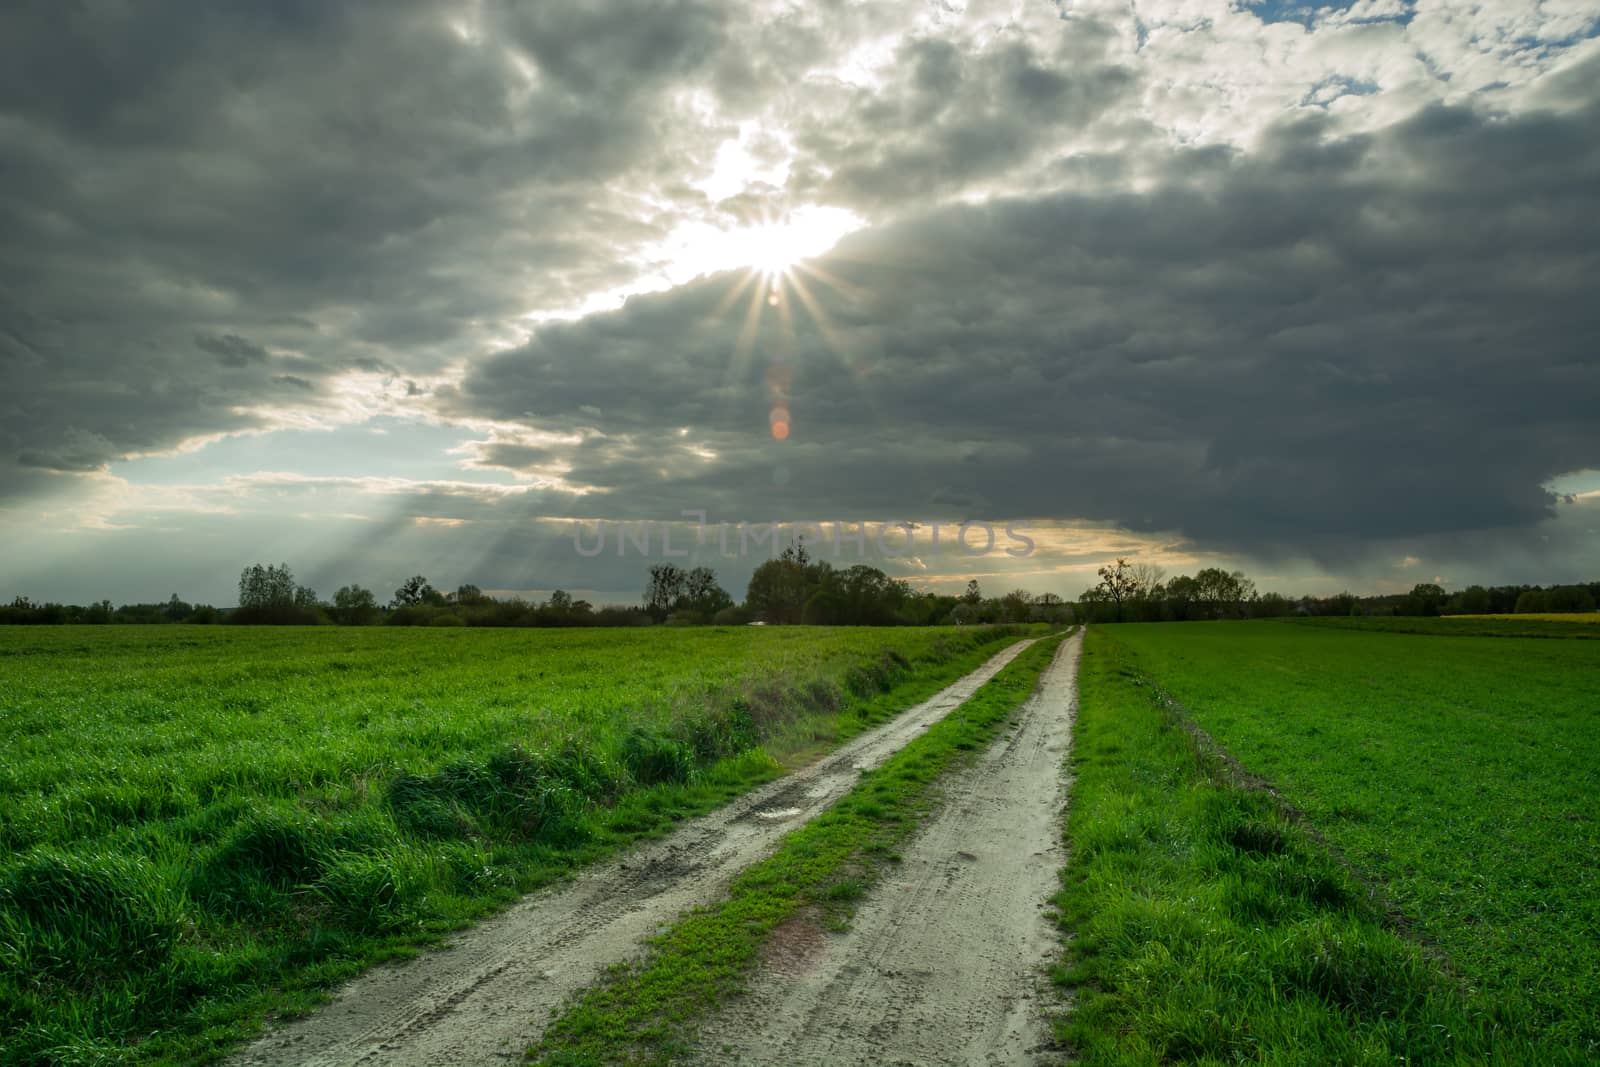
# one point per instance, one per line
(1147, 577)
(665, 589)
(1118, 583)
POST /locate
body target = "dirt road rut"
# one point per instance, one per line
(945, 961)
(487, 996)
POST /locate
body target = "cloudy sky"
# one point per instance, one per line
(379, 288)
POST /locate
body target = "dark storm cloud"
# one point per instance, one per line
(231, 350)
(76, 452)
(199, 198)
(1329, 342)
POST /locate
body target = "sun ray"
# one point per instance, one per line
(729, 298)
(832, 338)
(852, 292)
(825, 327)
(745, 344)
(785, 306)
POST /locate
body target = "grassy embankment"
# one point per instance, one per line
(646, 1011)
(1422, 887)
(202, 826)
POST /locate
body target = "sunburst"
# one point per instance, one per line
(779, 273)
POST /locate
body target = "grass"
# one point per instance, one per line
(1542, 616)
(202, 826)
(645, 1011)
(1419, 886)
(1572, 627)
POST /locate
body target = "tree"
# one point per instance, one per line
(269, 595)
(733, 615)
(1016, 605)
(1569, 598)
(1221, 593)
(1147, 577)
(701, 593)
(1533, 601)
(1271, 606)
(1424, 599)
(1182, 593)
(266, 588)
(964, 613)
(355, 606)
(667, 584)
(973, 595)
(1473, 600)
(560, 600)
(1118, 584)
(861, 595)
(469, 594)
(778, 590)
(825, 607)
(414, 591)
(176, 610)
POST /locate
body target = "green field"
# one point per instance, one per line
(1425, 886)
(1590, 617)
(1570, 627)
(201, 825)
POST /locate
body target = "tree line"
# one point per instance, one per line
(797, 589)
(1141, 592)
(793, 588)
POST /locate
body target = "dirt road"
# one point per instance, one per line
(488, 995)
(945, 961)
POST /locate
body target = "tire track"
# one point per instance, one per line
(488, 994)
(945, 962)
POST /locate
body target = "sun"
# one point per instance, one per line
(774, 248)
(771, 247)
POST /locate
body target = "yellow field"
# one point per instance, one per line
(1549, 616)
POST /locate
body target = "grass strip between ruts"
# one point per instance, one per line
(645, 1010)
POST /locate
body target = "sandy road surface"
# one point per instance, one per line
(945, 961)
(487, 996)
